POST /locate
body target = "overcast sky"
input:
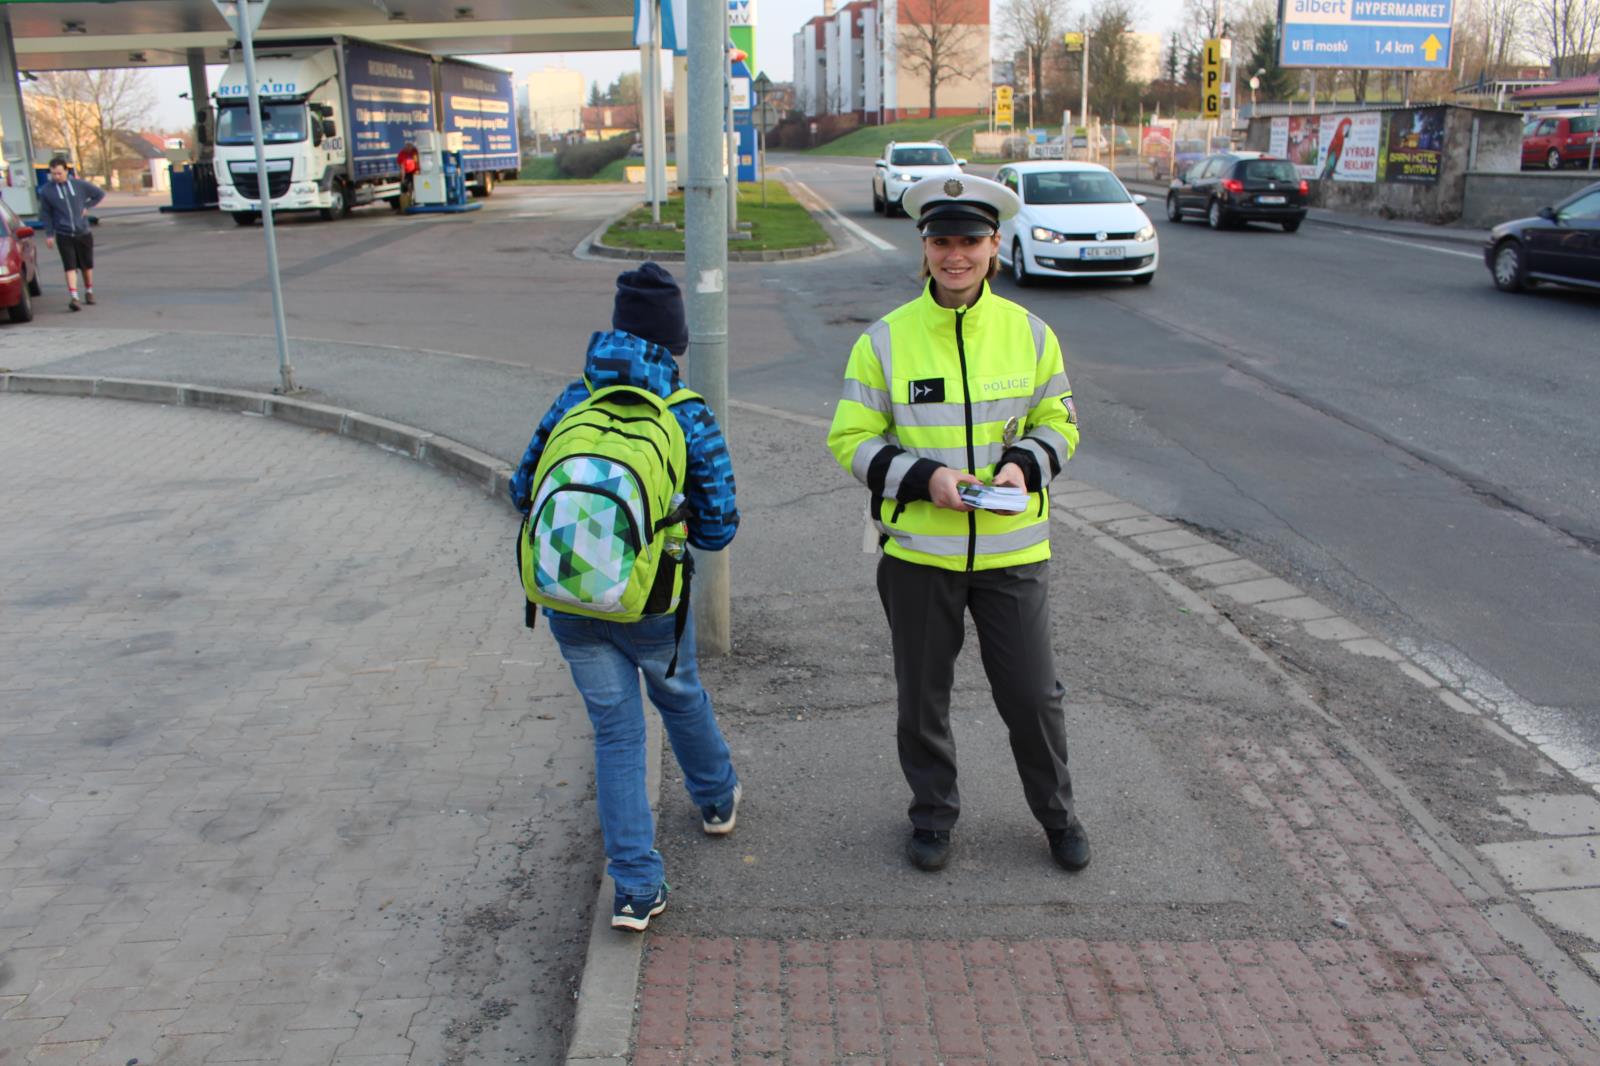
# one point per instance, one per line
(776, 24)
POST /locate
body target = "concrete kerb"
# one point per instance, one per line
(603, 1022)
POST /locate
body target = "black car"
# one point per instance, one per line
(1561, 244)
(1234, 187)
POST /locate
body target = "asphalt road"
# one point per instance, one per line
(1363, 414)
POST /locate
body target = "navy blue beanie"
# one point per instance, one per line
(650, 305)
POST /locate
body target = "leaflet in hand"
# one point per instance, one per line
(1004, 498)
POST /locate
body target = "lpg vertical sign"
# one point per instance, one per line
(1386, 34)
(1213, 62)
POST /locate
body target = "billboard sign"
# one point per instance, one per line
(1379, 34)
(1002, 105)
(1212, 60)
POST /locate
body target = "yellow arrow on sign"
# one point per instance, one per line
(1430, 48)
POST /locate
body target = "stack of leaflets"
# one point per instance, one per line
(1003, 498)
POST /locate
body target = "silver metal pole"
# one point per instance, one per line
(706, 266)
(648, 72)
(733, 135)
(264, 191)
(1083, 103)
(1594, 137)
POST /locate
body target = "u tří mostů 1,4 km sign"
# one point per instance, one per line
(1391, 34)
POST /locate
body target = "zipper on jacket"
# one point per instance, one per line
(972, 458)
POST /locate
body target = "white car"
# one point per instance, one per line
(905, 163)
(1076, 221)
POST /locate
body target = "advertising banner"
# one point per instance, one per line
(1304, 146)
(1155, 142)
(1349, 147)
(1376, 34)
(1414, 146)
(1278, 144)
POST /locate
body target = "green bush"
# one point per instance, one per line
(585, 160)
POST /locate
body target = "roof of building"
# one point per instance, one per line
(1584, 85)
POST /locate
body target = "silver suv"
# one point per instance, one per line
(905, 163)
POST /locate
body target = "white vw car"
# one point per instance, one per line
(1076, 221)
(903, 165)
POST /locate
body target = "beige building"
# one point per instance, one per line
(1144, 56)
(554, 100)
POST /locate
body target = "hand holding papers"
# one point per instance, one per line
(1004, 499)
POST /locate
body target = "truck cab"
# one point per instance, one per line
(302, 125)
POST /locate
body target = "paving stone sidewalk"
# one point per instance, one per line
(1409, 971)
(283, 779)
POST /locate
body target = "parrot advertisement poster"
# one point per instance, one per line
(1414, 146)
(1349, 147)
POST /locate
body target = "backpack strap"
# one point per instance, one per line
(681, 395)
(681, 615)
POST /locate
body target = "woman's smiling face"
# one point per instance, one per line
(959, 266)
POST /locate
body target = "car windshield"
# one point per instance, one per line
(936, 156)
(285, 123)
(1269, 170)
(1072, 187)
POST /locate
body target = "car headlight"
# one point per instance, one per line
(1048, 236)
(1146, 234)
(905, 177)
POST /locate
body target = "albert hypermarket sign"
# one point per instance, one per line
(1387, 34)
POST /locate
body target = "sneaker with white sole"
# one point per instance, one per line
(717, 819)
(635, 912)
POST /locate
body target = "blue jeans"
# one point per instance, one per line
(606, 659)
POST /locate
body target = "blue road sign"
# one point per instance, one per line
(1386, 34)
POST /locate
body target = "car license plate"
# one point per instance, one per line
(1269, 200)
(1110, 251)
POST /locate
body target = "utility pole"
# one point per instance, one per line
(705, 278)
(1083, 97)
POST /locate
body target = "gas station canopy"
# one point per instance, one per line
(159, 33)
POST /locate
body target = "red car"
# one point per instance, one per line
(19, 266)
(1557, 141)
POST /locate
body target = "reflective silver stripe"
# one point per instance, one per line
(1057, 385)
(1040, 331)
(954, 414)
(878, 335)
(988, 544)
(983, 454)
(866, 451)
(899, 467)
(1054, 440)
(867, 396)
(1041, 455)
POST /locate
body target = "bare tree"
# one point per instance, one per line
(1111, 88)
(1032, 27)
(1564, 33)
(942, 41)
(82, 111)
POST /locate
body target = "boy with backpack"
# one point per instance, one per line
(624, 468)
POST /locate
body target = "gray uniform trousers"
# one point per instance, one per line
(1011, 611)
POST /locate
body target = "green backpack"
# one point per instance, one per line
(604, 537)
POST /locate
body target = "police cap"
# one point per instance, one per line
(963, 206)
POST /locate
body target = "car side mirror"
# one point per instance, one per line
(880, 164)
(1140, 199)
(24, 232)
(1548, 213)
(961, 162)
(329, 129)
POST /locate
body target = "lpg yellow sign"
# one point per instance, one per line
(1213, 61)
(1002, 105)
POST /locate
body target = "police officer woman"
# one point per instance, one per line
(963, 387)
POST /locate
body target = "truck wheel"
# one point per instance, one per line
(485, 186)
(245, 218)
(340, 205)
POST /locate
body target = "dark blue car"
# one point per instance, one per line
(1561, 244)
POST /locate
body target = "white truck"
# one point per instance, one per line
(337, 111)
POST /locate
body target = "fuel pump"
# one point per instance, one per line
(439, 183)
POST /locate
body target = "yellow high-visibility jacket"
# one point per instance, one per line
(927, 386)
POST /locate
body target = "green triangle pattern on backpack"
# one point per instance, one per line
(594, 540)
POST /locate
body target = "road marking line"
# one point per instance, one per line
(1423, 247)
(854, 227)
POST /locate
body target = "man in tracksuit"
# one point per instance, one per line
(64, 203)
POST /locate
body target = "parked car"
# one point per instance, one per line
(905, 163)
(1236, 187)
(1185, 154)
(1560, 244)
(1556, 141)
(1077, 220)
(19, 266)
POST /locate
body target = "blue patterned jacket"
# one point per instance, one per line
(619, 358)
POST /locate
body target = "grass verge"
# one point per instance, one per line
(783, 223)
(868, 141)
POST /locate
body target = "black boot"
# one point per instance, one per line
(929, 849)
(1069, 846)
